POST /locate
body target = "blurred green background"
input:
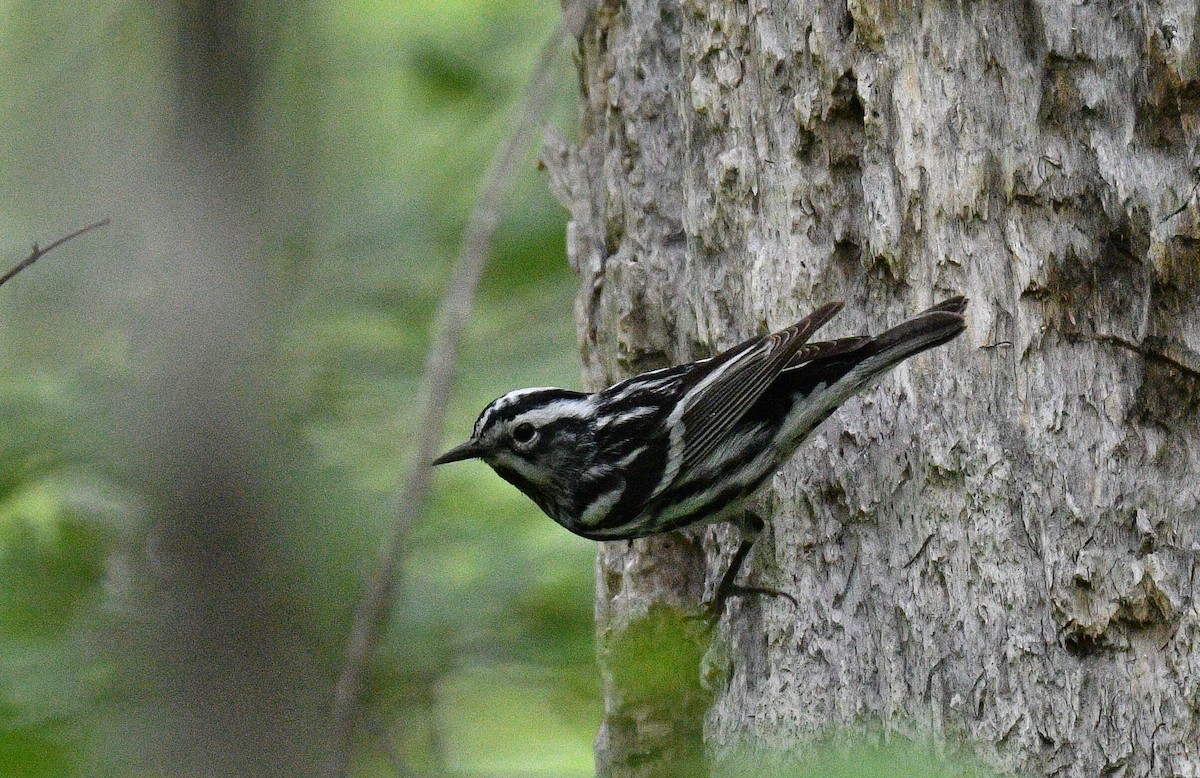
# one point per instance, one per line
(206, 406)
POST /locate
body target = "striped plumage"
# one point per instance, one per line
(687, 445)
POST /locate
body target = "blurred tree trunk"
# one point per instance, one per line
(232, 680)
(998, 545)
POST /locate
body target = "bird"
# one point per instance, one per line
(688, 445)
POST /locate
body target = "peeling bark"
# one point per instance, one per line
(998, 545)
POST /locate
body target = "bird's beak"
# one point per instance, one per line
(468, 450)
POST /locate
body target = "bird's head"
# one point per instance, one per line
(539, 440)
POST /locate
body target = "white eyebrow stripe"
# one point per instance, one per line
(517, 394)
(504, 401)
(575, 408)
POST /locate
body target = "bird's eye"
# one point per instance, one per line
(524, 433)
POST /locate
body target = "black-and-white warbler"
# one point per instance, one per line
(686, 445)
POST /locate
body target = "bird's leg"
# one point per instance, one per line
(751, 526)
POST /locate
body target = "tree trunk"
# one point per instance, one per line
(997, 547)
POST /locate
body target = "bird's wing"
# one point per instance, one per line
(728, 385)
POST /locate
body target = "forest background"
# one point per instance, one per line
(207, 406)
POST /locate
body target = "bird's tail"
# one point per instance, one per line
(929, 328)
(850, 365)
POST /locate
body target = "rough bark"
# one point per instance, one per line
(998, 545)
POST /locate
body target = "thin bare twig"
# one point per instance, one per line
(1181, 208)
(39, 251)
(1146, 352)
(370, 617)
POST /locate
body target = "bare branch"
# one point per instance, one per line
(38, 252)
(370, 617)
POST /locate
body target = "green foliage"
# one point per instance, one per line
(373, 123)
(56, 534)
